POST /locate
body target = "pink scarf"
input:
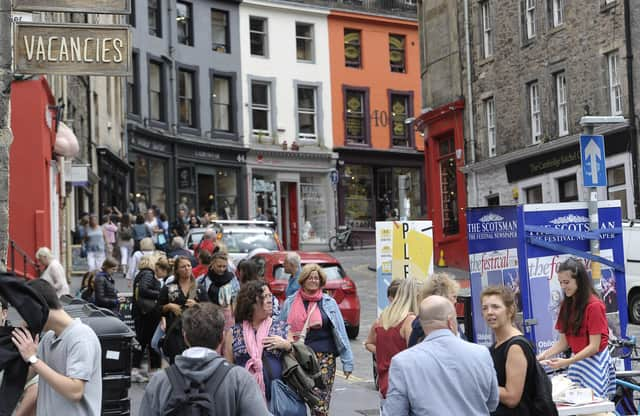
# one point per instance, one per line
(298, 314)
(253, 342)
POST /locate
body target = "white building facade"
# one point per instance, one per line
(286, 99)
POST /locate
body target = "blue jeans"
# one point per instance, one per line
(157, 335)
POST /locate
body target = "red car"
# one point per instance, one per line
(339, 285)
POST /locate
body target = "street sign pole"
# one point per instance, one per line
(594, 243)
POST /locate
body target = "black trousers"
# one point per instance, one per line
(145, 327)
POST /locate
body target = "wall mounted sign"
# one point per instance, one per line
(71, 49)
(81, 6)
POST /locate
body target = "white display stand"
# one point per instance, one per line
(586, 409)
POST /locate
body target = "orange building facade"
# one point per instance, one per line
(375, 82)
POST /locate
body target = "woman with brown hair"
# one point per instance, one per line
(513, 355)
(174, 297)
(256, 342)
(326, 335)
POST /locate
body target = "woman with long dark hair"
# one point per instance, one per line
(582, 324)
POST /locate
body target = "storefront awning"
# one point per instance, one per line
(66, 142)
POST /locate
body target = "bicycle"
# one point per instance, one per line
(344, 239)
(627, 395)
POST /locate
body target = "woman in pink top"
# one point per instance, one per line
(390, 333)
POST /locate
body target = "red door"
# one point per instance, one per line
(293, 216)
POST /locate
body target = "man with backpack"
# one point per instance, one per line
(201, 382)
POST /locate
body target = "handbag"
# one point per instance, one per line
(284, 400)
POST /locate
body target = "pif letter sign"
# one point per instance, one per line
(80, 6)
(69, 49)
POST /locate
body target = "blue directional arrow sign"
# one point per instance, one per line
(594, 169)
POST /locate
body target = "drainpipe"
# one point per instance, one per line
(632, 109)
(469, 105)
(172, 117)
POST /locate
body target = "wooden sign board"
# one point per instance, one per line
(72, 49)
(80, 6)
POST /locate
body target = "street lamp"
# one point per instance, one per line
(588, 124)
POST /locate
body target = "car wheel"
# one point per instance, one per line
(352, 331)
(634, 309)
(333, 243)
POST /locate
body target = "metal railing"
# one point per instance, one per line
(26, 262)
(404, 8)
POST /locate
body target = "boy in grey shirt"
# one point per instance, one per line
(67, 359)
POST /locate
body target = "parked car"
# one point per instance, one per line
(240, 237)
(339, 285)
(631, 240)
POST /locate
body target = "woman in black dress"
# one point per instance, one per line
(513, 355)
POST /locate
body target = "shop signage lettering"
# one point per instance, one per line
(492, 226)
(72, 49)
(206, 155)
(81, 6)
(148, 144)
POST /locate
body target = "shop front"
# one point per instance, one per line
(113, 173)
(377, 185)
(176, 174)
(294, 190)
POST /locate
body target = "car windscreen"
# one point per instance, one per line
(244, 242)
(194, 238)
(333, 272)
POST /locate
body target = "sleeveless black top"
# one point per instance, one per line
(499, 355)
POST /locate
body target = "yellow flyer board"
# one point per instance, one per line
(403, 249)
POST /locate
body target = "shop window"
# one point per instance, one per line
(313, 195)
(568, 189)
(617, 187)
(356, 108)
(400, 111)
(184, 21)
(448, 187)
(156, 91)
(352, 48)
(533, 194)
(133, 82)
(304, 41)
(220, 31)
(186, 101)
(261, 108)
(397, 53)
(154, 9)
(358, 191)
(307, 113)
(150, 183)
(221, 103)
(218, 193)
(398, 193)
(258, 36)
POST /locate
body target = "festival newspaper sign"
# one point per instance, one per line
(403, 249)
(493, 258)
(544, 251)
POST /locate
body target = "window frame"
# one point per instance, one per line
(366, 115)
(560, 181)
(227, 34)
(310, 39)
(268, 109)
(527, 189)
(397, 69)
(614, 86)
(410, 137)
(490, 119)
(535, 111)
(316, 102)
(232, 133)
(487, 30)
(195, 99)
(158, 17)
(358, 45)
(264, 35)
(190, 41)
(530, 29)
(156, 60)
(557, 13)
(136, 112)
(562, 104)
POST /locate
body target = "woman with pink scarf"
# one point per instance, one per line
(326, 334)
(256, 341)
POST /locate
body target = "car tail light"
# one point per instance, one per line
(348, 286)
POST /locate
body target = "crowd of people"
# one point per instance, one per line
(196, 321)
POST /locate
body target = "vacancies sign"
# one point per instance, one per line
(69, 49)
(81, 6)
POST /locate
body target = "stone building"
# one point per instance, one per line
(527, 71)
